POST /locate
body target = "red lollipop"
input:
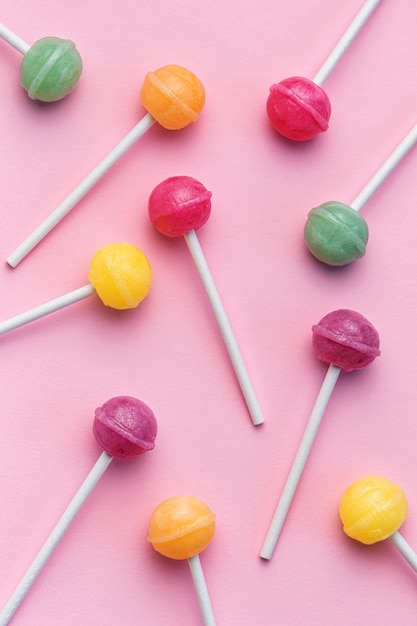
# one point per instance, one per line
(344, 340)
(177, 207)
(298, 108)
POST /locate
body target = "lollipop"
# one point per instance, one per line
(335, 233)
(372, 509)
(125, 428)
(173, 97)
(344, 340)
(177, 207)
(120, 275)
(50, 68)
(299, 108)
(180, 528)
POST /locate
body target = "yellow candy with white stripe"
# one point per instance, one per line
(121, 275)
(372, 509)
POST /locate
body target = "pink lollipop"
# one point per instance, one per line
(298, 108)
(125, 428)
(177, 207)
(344, 340)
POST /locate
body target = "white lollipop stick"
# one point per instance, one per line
(46, 308)
(338, 51)
(201, 590)
(225, 328)
(405, 549)
(13, 40)
(299, 462)
(393, 160)
(80, 191)
(56, 535)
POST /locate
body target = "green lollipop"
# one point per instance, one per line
(50, 68)
(335, 233)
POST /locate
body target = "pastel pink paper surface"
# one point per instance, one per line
(346, 339)
(179, 204)
(56, 372)
(125, 427)
(298, 108)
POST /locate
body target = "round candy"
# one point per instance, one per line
(372, 509)
(50, 69)
(336, 234)
(125, 427)
(298, 108)
(121, 275)
(181, 527)
(346, 339)
(173, 95)
(179, 204)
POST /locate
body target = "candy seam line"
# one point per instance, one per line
(59, 52)
(327, 215)
(202, 521)
(321, 121)
(119, 282)
(188, 111)
(205, 196)
(344, 341)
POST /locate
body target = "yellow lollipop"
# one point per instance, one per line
(180, 528)
(372, 509)
(120, 274)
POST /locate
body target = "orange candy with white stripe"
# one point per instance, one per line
(173, 95)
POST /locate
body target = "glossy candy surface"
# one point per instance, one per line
(181, 527)
(125, 427)
(173, 95)
(121, 275)
(178, 205)
(346, 339)
(298, 109)
(335, 233)
(372, 509)
(50, 69)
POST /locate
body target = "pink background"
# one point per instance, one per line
(169, 352)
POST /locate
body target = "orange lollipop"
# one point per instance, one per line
(173, 96)
(180, 528)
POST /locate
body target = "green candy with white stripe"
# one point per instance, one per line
(50, 69)
(335, 233)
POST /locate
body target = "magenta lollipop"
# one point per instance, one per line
(125, 428)
(298, 108)
(344, 340)
(177, 207)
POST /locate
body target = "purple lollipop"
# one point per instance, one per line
(345, 340)
(125, 428)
